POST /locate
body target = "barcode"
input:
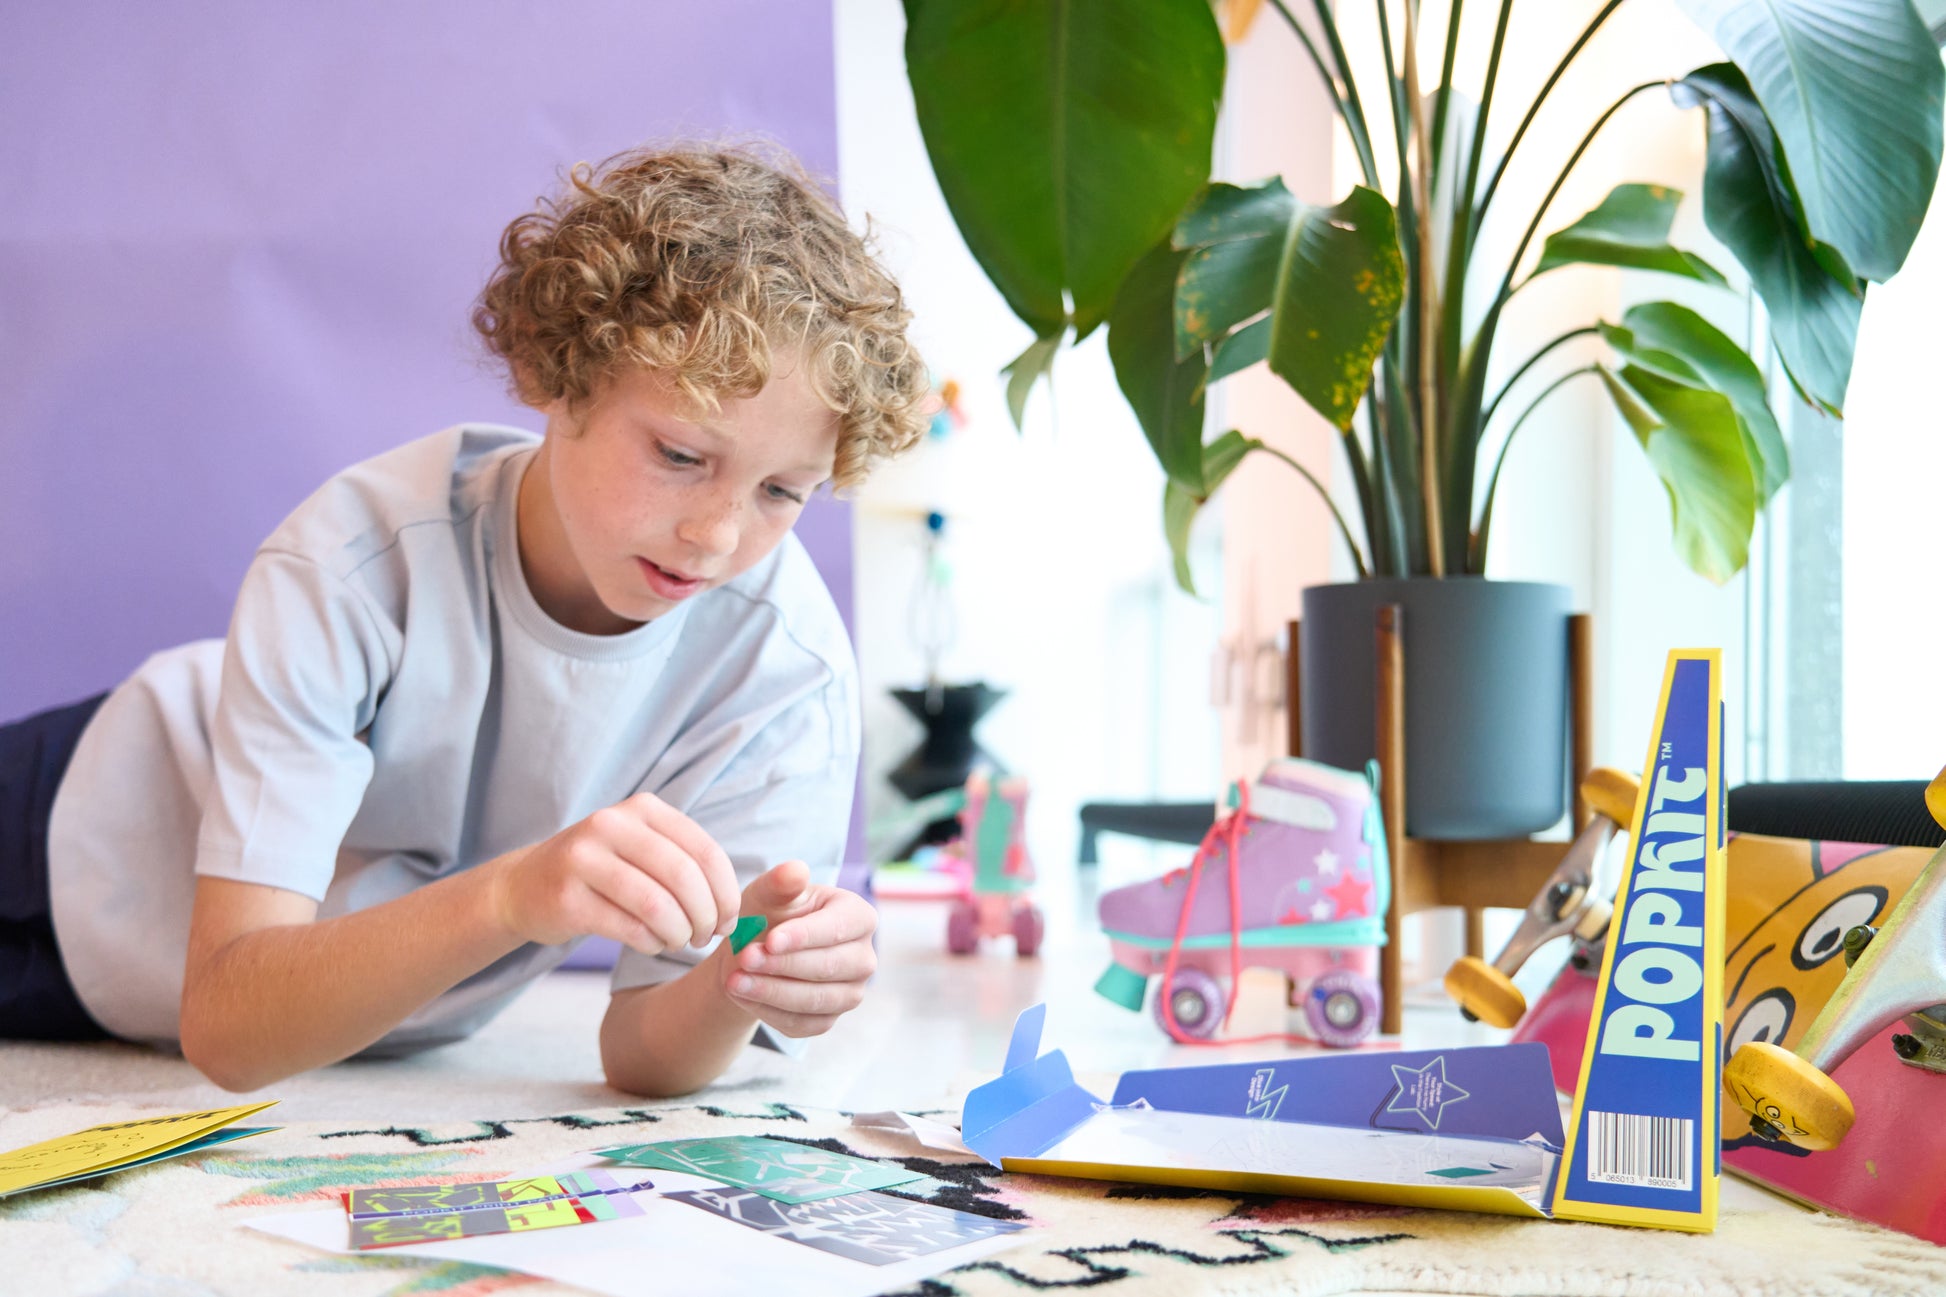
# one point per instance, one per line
(1649, 1152)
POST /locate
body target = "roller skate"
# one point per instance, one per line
(1294, 879)
(997, 870)
(1897, 972)
(1570, 904)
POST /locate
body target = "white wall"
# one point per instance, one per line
(1895, 483)
(1060, 568)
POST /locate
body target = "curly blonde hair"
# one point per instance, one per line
(704, 263)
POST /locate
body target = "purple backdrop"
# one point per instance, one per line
(238, 247)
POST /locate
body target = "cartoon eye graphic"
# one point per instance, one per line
(1824, 936)
(1766, 1018)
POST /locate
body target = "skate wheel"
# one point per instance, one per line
(1341, 1008)
(1803, 1105)
(1196, 1000)
(1485, 992)
(1029, 927)
(963, 928)
(1936, 797)
(1611, 793)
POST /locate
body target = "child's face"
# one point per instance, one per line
(638, 503)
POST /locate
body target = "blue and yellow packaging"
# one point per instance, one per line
(1643, 1143)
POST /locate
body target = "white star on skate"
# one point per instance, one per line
(1321, 910)
(1327, 862)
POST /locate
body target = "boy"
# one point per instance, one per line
(485, 694)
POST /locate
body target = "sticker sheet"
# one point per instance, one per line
(872, 1228)
(774, 1168)
(435, 1213)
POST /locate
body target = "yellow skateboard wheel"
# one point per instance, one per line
(1801, 1104)
(1612, 793)
(1936, 797)
(1485, 992)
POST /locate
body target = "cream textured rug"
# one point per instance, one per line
(176, 1229)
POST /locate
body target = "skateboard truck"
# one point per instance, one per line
(1898, 971)
(1569, 903)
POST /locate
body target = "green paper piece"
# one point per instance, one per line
(1458, 1172)
(747, 930)
(775, 1168)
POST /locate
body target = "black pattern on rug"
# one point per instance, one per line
(1095, 1274)
(429, 1137)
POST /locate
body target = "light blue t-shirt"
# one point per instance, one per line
(391, 707)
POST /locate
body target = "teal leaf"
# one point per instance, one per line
(1750, 205)
(1166, 392)
(1339, 287)
(1854, 90)
(1693, 442)
(1630, 229)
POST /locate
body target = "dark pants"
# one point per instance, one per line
(37, 1002)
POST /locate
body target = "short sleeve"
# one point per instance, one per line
(786, 794)
(303, 669)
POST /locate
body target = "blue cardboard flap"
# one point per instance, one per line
(1033, 1103)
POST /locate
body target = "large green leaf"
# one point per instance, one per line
(1749, 204)
(1180, 506)
(1854, 90)
(1235, 239)
(1339, 286)
(1653, 330)
(1066, 136)
(1630, 229)
(1694, 443)
(1165, 391)
(1242, 349)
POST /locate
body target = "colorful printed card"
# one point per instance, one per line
(869, 1227)
(119, 1145)
(774, 1168)
(431, 1213)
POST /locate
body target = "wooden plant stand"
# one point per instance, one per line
(1432, 874)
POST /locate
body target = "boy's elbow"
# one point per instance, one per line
(217, 1056)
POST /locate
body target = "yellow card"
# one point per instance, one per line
(101, 1148)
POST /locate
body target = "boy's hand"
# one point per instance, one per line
(640, 872)
(812, 962)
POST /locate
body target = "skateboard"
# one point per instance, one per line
(1791, 905)
(1571, 903)
(1799, 1097)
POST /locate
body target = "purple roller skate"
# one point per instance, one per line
(1294, 879)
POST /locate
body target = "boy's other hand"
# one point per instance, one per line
(640, 872)
(812, 963)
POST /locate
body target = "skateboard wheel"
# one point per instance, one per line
(1341, 1008)
(1612, 794)
(963, 928)
(1936, 797)
(1485, 992)
(1196, 1000)
(1782, 1091)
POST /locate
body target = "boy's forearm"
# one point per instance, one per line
(675, 1037)
(281, 1000)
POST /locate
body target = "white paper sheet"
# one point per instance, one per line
(1194, 1141)
(926, 1131)
(671, 1247)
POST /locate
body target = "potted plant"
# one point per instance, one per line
(1072, 140)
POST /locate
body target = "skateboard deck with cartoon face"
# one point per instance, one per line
(1790, 904)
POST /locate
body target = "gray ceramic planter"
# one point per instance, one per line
(1486, 697)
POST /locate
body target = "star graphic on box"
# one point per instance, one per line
(1327, 862)
(1424, 1091)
